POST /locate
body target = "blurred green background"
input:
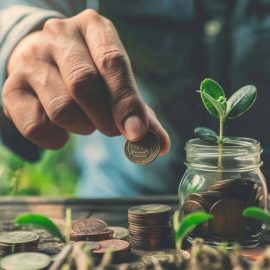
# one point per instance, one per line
(55, 174)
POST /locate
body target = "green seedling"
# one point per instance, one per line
(187, 224)
(258, 213)
(40, 221)
(220, 107)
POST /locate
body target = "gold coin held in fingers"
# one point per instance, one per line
(145, 150)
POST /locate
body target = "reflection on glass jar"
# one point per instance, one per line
(223, 183)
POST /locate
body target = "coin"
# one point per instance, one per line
(198, 197)
(89, 226)
(149, 209)
(232, 184)
(167, 255)
(228, 219)
(26, 261)
(193, 206)
(119, 232)
(18, 237)
(91, 245)
(145, 150)
(115, 245)
(150, 226)
(97, 236)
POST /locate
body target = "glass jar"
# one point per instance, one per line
(223, 182)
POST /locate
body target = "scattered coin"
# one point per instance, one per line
(228, 220)
(90, 230)
(26, 261)
(91, 245)
(119, 232)
(167, 255)
(120, 249)
(115, 245)
(145, 150)
(89, 226)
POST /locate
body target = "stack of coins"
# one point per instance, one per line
(18, 241)
(226, 200)
(119, 248)
(90, 230)
(150, 227)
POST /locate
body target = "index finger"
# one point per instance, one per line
(112, 62)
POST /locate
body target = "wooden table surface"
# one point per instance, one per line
(113, 211)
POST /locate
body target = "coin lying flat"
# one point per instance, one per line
(89, 226)
(145, 150)
(119, 232)
(149, 209)
(26, 261)
(18, 237)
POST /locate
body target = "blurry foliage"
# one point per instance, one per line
(55, 174)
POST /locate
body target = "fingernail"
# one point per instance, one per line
(135, 128)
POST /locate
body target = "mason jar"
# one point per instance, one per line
(223, 182)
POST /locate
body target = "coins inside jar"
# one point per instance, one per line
(143, 151)
(226, 200)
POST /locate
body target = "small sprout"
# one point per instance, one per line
(188, 224)
(258, 213)
(40, 221)
(206, 134)
(214, 100)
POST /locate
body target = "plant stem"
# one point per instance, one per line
(220, 143)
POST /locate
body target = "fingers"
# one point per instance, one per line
(26, 112)
(112, 63)
(156, 126)
(59, 106)
(81, 79)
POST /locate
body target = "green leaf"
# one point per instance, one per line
(189, 223)
(215, 91)
(241, 101)
(258, 213)
(206, 134)
(219, 107)
(40, 221)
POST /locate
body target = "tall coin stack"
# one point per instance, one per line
(150, 227)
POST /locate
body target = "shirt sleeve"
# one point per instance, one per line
(19, 17)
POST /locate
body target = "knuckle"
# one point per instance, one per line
(123, 102)
(80, 79)
(90, 14)
(53, 25)
(60, 110)
(112, 59)
(33, 131)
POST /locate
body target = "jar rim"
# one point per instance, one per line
(230, 143)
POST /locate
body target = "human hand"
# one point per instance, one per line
(74, 76)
